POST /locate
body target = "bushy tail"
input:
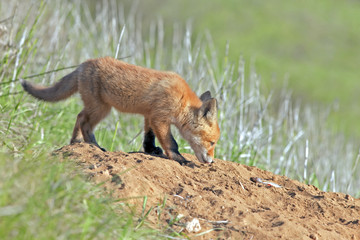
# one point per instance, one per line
(63, 89)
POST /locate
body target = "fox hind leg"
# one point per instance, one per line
(88, 119)
(77, 135)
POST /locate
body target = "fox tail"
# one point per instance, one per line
(61, 90)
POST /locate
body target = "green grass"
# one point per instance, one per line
(42, 198)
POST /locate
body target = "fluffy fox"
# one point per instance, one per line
(163, 98)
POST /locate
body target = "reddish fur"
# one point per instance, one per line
(163, 98)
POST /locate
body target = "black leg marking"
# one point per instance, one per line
(93, 140)
(177, 156)
(149, 144)
(174, 146)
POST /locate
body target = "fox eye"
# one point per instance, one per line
(212, 143)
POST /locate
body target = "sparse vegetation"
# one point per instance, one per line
(272, 131)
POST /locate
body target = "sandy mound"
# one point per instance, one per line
(224, 196)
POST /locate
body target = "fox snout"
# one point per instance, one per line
(204, 158)
(203, 151)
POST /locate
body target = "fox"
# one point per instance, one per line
(163, 98)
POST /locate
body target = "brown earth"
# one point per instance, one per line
(224, 196)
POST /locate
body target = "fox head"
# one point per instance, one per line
(203, 132)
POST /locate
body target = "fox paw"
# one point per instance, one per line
(158, 151)
(182, 161)
(155, 151)
(186, 163)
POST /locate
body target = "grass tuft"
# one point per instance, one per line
(42, 198)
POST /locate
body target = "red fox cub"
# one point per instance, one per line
(164, 98)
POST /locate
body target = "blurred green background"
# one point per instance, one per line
(311, 45)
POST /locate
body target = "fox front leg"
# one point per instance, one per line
(174, 152)
(149, 140)
(167, 141)
(149, 144)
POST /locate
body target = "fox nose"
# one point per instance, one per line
(207, 159)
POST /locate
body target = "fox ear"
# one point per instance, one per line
(208, 110)
(205, 96)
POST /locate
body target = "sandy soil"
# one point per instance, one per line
(227, 198)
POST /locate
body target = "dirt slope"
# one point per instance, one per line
(223, 195)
